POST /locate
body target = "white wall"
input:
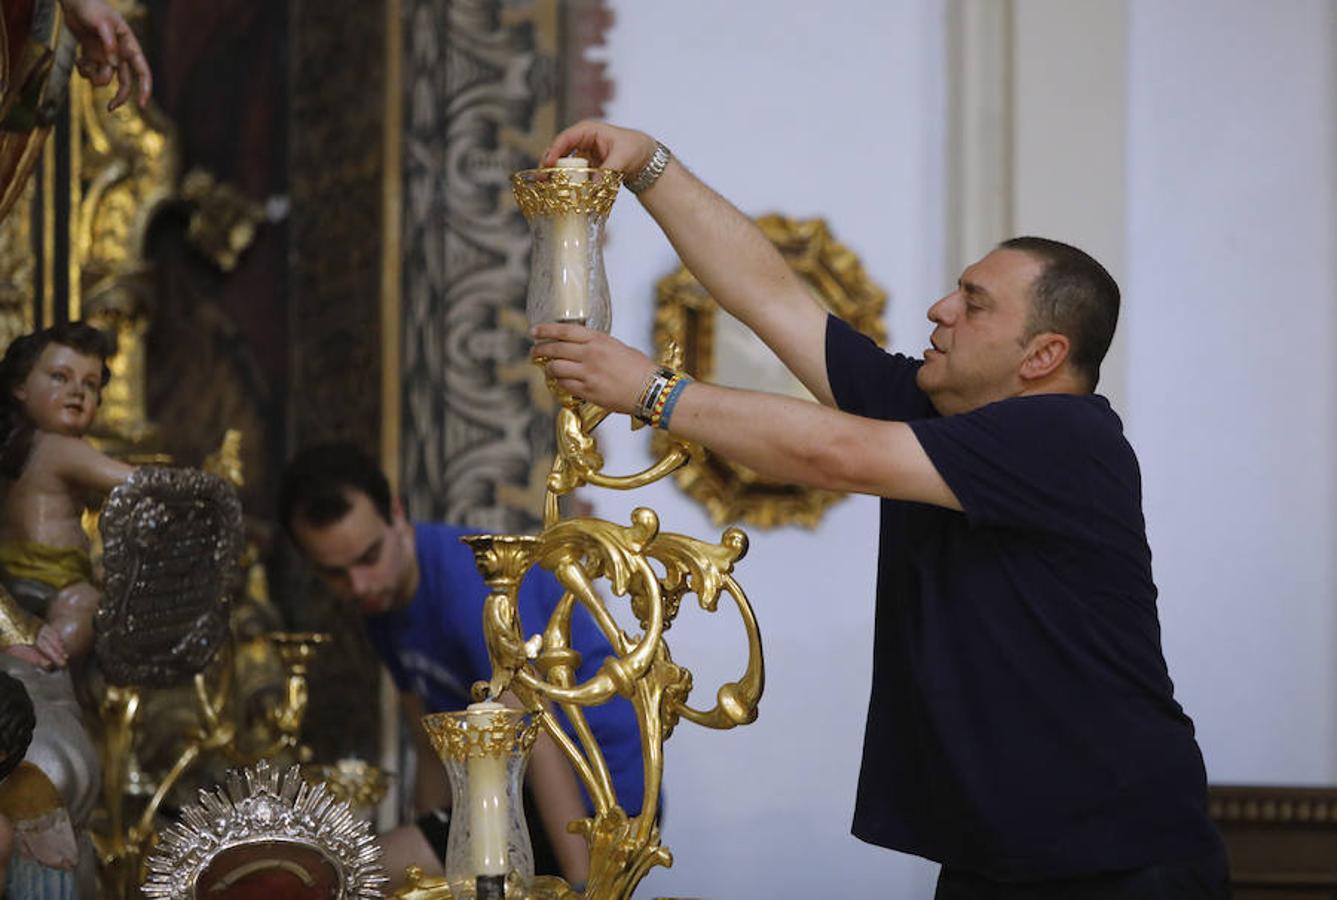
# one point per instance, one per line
(806, 109)
(1069, 110)
(1229, 257)
(1231, 324)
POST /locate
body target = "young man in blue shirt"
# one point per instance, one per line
(421, 598)
(1022, 728)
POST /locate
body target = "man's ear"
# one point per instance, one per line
(396, 509)
(1045, 355)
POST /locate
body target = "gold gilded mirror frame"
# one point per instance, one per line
(718, 348)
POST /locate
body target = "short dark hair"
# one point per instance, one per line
(316, 483)
(1074, 296)
(16, 430)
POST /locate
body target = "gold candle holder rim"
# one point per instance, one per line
(559, 174)
(551, 191)
(455, 737)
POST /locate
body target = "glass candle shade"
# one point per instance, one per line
(486, 750)
(566, 207)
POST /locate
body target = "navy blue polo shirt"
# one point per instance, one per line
(1022, 722)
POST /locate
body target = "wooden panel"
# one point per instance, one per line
(1282, 841)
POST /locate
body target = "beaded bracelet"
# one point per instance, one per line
(657, 407)
(670, 400)
(655, 386)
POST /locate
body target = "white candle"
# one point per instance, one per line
(570, 233)
(489, 811)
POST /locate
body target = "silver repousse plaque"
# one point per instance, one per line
(172, 541)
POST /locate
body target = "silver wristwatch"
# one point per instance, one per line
(648, 175)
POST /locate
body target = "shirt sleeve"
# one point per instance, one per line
(1053, 463)
(867, 380)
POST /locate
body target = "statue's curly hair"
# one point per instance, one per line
(17, 721)
(16, 431)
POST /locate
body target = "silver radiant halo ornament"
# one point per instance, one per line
(263, 828)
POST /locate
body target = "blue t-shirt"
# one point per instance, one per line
(1022, 723)
(434, 647)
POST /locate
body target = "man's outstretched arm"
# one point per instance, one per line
(723, 248)
(780, 437)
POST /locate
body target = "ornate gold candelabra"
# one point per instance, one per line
(652, 569)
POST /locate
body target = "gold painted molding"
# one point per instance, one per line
(123, 166)
(1273, 805)
(687, 316)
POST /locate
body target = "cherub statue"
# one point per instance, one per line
(50, 386)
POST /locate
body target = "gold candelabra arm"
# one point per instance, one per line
(706, 570)
(122, 848)
(295, 652)
(578, 460)
(117, 847)
(677, 456)
(118, 710)
(542, 671)
(595, 548)
(215, 733)
(214, 730)
(587, 758)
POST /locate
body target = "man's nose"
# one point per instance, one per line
(359, 580)
(942, 312)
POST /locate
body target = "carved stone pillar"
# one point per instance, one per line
(484, 91)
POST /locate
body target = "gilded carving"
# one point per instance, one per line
(18, 269)
(222, 220)
(124, 166)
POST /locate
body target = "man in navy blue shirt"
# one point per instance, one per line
(421, 598)
(1022, 727)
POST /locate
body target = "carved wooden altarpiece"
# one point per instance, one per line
(309, 235)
